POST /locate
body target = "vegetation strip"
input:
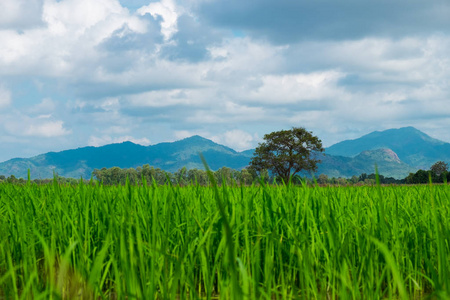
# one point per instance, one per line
(203, 242)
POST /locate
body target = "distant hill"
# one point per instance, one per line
(387, 161)
(397, 152)
(412, 146)
(167, 156)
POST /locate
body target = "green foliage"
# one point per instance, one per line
(224, 175)
(257, 242)
(363, 179)
(438, 173)
(323, 179)
(287, 152)
(439, 167)
(421, 176)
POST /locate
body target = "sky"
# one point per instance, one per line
(77, 73)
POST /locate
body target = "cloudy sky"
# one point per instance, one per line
(91, 72)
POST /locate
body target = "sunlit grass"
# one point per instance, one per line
(255, 242)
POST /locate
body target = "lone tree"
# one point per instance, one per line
(439, 167)
(286, 151)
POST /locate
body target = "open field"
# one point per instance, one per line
(258, 242)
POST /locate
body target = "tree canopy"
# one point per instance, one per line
(439, 167)
(287, 152)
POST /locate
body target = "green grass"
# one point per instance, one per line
(194, 242)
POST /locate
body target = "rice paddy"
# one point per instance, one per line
(90, 241)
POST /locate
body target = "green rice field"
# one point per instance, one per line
(90, 241)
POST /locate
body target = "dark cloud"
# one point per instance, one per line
(125, 40)
(287, 21)
(122, 48)
(130, 83)
(191, 41)
(174, 114)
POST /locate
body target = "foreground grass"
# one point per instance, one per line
(259, 242)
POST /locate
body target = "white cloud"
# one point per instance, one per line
(246, 112)
(239, 58)
(298, 87)
(78, 16)
(163, 98)
(150, 73)
(17, 123)
(47, 129)
(110, 104)
(20, 13)
(5, 97)
(236, 139)
(46, 106)
(168, 11)
(66, 45)
(227, 112)
(379, 60)
(106, 139)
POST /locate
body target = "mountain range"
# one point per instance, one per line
(412, 146)
(396, 152)
(167, 156)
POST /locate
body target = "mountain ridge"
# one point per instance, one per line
(386, 160)
(344, 159)
(412, 146)
(169, 156)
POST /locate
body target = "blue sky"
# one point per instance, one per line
(75, 73)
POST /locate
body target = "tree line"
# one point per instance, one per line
(246, 176)
(61, 180)
(183, 176)
(438, 173)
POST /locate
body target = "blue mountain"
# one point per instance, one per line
(412, 146)
(167, 156)
(397, 152)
